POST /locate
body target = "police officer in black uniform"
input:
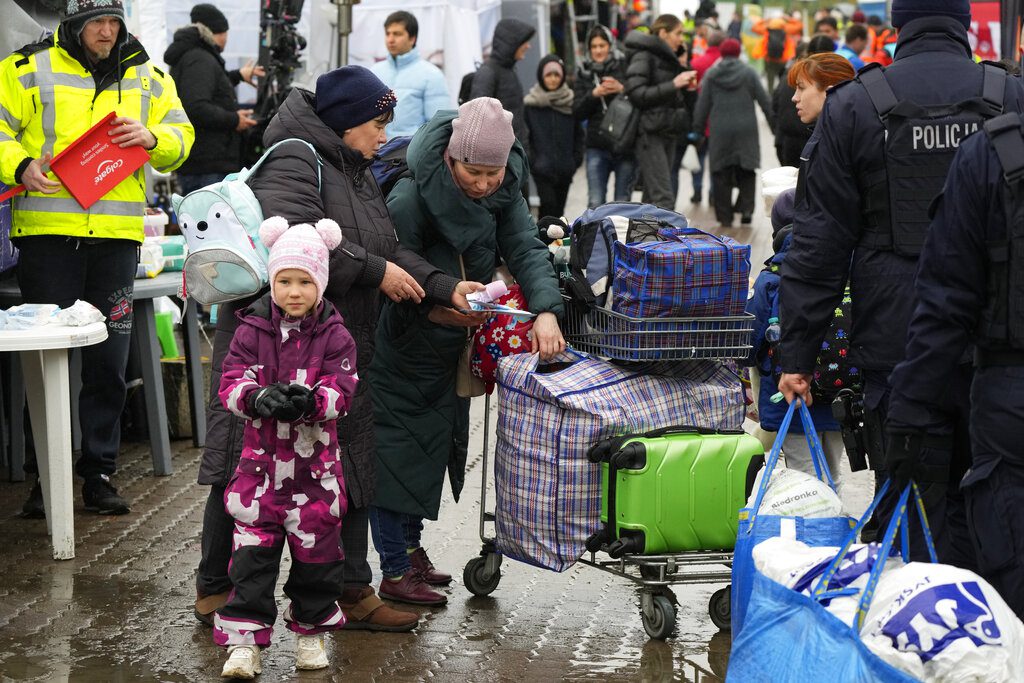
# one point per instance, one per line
(970, 288)
(877, 158)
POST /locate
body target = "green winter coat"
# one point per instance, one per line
(422, 427)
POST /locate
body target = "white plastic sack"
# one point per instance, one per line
(151, 260)
(792, 493)
(78, 314)
(26, 316)
(774, 181)
(798, 566)
(944, 624)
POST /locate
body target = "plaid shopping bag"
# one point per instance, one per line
(548, 495)
(690, 274)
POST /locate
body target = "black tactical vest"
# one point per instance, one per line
(1002, 321)
(920, 142)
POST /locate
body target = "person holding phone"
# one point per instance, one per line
(656, 83)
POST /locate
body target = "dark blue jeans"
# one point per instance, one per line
(600, 166)
(394, 534)
(58, 270)
(193, 181)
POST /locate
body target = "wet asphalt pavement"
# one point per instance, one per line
(122, 609)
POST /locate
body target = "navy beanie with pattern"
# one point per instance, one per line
(350, 96)
(908, 10)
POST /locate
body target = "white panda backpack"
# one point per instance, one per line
(226, 258)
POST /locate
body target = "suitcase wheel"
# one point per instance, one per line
(720, 608)
(658, 616)
(478, 580)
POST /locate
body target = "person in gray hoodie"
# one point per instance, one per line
(496, 77)
(727, 97)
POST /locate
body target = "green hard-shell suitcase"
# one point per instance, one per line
(673, 489)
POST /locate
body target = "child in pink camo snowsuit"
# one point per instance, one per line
(291, 372)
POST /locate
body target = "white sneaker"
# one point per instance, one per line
(243, 662)
(311, 653)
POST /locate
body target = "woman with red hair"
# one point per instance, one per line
(811, 77)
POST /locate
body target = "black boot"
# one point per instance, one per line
(33, 507)
(100, 496)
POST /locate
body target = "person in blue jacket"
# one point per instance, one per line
(764, 306)
(854, 41)
(969, 290)
(846, 230)
(418, 84)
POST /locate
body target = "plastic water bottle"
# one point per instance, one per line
(774, 332)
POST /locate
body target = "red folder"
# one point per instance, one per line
(92, 165)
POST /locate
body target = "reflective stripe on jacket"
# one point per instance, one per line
(47, 101)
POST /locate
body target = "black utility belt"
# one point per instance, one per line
(984, 358)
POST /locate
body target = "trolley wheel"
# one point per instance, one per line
(661, 619)
(720, 608)
(476, 582)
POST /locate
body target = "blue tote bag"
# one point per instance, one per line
(754, 527)
(792, 638)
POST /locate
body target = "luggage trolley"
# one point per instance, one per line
(611, 335)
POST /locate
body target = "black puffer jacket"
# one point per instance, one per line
(652, 66)
(585, 106)
(286, 185)
(496, 77)
(207, 91)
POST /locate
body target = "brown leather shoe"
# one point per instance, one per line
(411, 589)
(426, 568)
(206, 605)
(364, 611)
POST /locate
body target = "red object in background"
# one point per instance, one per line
(984, 31)
(92, 165)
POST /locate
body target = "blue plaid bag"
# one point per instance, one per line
(691, 273)
(547, 493)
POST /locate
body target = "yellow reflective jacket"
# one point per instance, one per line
(48, 99)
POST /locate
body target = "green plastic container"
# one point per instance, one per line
(676, 489)
(175, 250)
(165, 333)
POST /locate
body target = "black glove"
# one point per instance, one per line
(301, 399)
(264, 402)
(903, 456)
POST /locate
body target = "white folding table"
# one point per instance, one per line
(44, 362)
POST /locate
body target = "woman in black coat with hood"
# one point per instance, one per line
(655, 82)
(599, 80)
(497, 78)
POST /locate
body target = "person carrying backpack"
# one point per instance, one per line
(344, 120)
(853, 225)
(779, 37)
(764, 357)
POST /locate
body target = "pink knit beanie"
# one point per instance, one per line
(482, 133)
(303, 247)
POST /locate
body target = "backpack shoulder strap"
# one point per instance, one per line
(872, 77)
(1005, 134)
(245, 174)
(993, 85)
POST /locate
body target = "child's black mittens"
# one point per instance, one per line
(301, 399)
(267, 401)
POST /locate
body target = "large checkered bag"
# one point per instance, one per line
(548, 495)
(691, 273)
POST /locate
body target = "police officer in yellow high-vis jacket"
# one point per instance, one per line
(51, 93)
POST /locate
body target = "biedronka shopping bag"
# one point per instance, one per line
(791, 637)
(755, 527)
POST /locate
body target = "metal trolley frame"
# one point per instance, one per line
(606, 333)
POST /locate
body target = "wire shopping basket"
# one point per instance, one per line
(604, 332)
